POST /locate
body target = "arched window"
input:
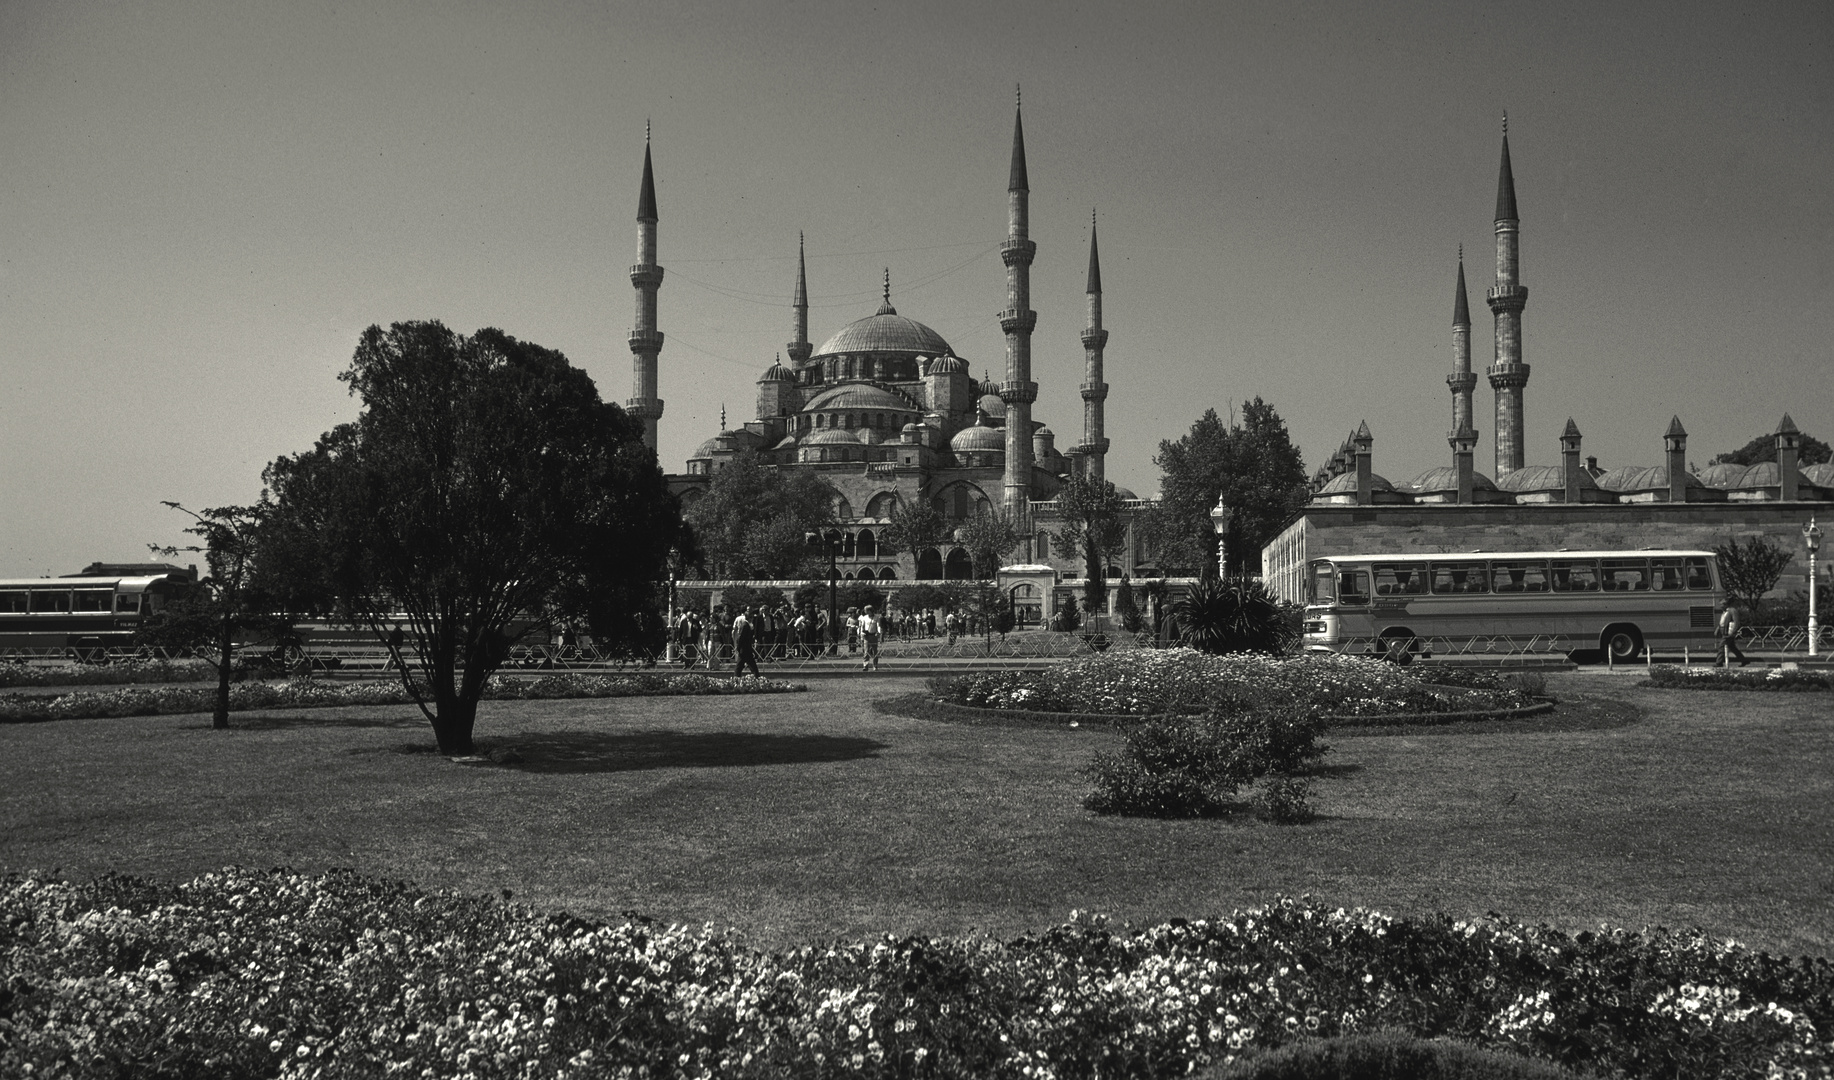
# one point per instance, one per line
(929, 565)
(878, 419)
(843, 510)
(881, 505)
(888, 574)
(821, 421)
(959, 566)
(847, 545)
(867, 545)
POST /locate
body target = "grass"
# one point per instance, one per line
(810, 816)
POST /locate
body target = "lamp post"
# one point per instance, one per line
(1811, 536)
(830, 545)
(668, 634)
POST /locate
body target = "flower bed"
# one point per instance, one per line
(1174, 681)
(309, 693)
(1672, 677)
(117, 673)
(247, 973)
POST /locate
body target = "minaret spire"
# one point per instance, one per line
(1018, 319)
(1509, 375)
(645, 278)
(1094, 448)
(1463, 437)
(799, 349)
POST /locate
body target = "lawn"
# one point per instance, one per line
(810, 816)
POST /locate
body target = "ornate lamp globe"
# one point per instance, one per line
(1811, 537)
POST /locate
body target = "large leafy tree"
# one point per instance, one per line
(916, 524)
(752, 521)
(1251, 465)
(988, 537)
(1751, 569)
(1093, 530)
(1812, 451)
(483, 484)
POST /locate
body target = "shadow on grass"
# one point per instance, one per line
(597, 752)
(286, 721)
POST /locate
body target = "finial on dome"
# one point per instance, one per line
(722, 416)
(888, 284)
(1018, 97)
(646, 130)
(1506, 122)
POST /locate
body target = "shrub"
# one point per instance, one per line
(1671, 677)
(1126, 609)
(1282, 800)
(116, 673)
(1275, 738)
(1170, 767)
(1237, 615)
(1387, 1055)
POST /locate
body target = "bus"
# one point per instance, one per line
(1618, 602)
(85, 614)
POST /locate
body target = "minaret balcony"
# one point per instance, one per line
(1094, 391)
(1017, 392)
(1508, 297)
(646, 276)
(645, 341)
(1502, 375)
(1017, 252)
(1461, 382)
(1020, 322)
(1095, 338)
(644, 408)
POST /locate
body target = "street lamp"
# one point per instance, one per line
(668, 636)
(830, 545)
(1811, 537)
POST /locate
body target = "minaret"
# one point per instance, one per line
(1094, 447)
(646, 278)
(1018, 391)
(800, 348)
(1463, 436)
(1509, 375)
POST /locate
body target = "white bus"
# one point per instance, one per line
(1620, 602)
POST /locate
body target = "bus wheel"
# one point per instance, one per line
(1397, 648)
(1622, 643)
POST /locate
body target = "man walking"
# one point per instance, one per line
(1728, 636)
(869, 639)
(744, 643)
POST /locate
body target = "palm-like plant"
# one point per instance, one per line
(1233, 615)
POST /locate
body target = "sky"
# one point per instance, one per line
(203, 205)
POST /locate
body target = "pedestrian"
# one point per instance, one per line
(744, 643)
(869, 639)
(853, 631)
(1728, 636)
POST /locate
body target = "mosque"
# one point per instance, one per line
(884, 410)
(1575, 505)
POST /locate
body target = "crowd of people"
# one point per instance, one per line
(742, 636)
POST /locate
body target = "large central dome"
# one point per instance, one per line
(886, 332)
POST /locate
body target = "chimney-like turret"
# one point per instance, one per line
(1675, 446)
(1569, 460)
(1789, 475)
(1365, 473)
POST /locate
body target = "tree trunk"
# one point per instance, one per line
(219, 717)
(454, 718)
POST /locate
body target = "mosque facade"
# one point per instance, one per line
(884, 410)
(1575, 505)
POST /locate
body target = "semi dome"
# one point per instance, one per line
(1445, 478)
(886, 332)
(859, 395)
(832, 437)
(978, 438)
(787, 443)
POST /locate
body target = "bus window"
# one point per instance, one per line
(1324, 584)
(1400, 580)
(1665, 574)
(127, 603)
(1625, 575)
(93, 599)
(1353, 587)
(46, 600)
(1572, 576)
(1695, 571)
(1460, 577)
(12, 603)
(1518, 577)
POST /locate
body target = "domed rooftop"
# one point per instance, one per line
(831, 437)
(1542, 478)
(978, 437)
(1124, 493)
(1820, 475)
(1727, 476)
(777, 373)
(991, 404)
(727, 442)
(788, 442)
(1630, 478)
(947, 365)
(1345, 484)
(886, 331)
(1445, 478)
(870, 436)
(859, 395)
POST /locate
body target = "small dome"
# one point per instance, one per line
(870, 436)
(777, 373)
(1445, 478)
(1724, 475)
(1633, 478)
(788, 443)
(1124, 493)
(1542, 478)
(728, 442)
(978, 438)
(1043, 430)
(948, 365)
(859, 395)
(1820, 475)
(1345, 484)
(912, 428)
(831, 437)
(1727, 476)
(991, 404)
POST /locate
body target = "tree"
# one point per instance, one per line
(232, 603)
(1126, 609)
(1812, 451)
(1750, 570)
(916, 524)
(1239, 614)
(482, 483)
(753, 520)
(1250, 465)
(1093, 530)
(988, 537)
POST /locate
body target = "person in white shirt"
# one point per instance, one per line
(869, 637)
